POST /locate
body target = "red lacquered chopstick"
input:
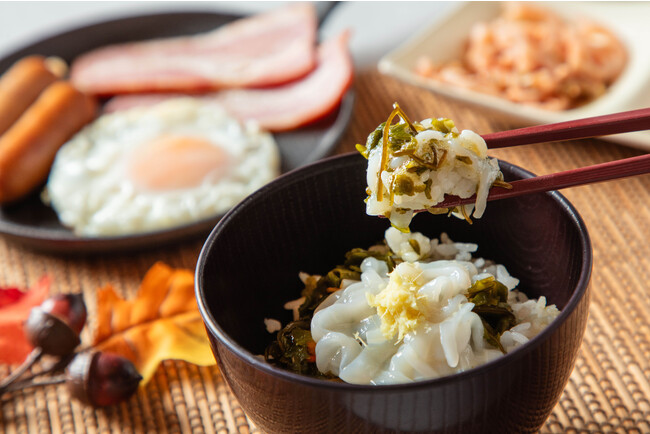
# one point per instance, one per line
(624, 122)
(616, 123)
(569, 178)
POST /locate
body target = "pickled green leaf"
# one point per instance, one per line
(375, 137)
(291, 350)
(293, 347)
(362, 150)
(403, 185)
(490, 298)
(443, 125)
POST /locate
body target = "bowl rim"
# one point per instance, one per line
(326, 165)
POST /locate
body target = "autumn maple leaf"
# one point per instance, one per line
(162, 322)
(14, 309)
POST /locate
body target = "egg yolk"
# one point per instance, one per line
(176, 162)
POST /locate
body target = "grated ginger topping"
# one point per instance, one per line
(398, 305)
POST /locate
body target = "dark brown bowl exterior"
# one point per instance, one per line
(305, 221)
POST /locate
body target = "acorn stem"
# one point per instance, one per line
(32, 358)
(26, 384)
(52, 367)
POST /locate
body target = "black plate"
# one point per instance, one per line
(32, 224)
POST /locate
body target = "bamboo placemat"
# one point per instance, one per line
(609, 390)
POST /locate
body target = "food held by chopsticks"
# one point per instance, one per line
(533, 56)
(413, 165)
(416, 166)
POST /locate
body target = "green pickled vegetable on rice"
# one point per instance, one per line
(293, 348)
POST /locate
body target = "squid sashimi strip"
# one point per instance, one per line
(283, 107)
(262, 50)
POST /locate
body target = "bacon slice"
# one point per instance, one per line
(262, 50)
(292, 105)
(125, 102)
(283, 107)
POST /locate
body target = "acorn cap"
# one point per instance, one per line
(101, 378)
(69, 308)
(54, 336)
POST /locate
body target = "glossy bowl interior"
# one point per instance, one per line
(305, 221)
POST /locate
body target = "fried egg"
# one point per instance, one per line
(158, 167)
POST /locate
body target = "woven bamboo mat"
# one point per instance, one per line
(609, 390)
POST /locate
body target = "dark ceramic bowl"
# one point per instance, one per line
(305, 221)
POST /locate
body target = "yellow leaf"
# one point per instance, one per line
(162, 322)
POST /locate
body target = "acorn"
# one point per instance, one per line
(101, 378)
(70, 308)
(54, 326)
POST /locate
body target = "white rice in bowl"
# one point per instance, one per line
(423, 319)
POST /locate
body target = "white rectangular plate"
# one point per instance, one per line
(444, 40)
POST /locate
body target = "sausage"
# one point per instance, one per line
(28, 148)
(20, 86)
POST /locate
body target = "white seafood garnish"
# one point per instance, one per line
(416, 322)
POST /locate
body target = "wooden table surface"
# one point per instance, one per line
(609, 390)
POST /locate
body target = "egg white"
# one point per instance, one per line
(92, 192)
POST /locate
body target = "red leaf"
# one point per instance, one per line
(10, 296)
(14, 346)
